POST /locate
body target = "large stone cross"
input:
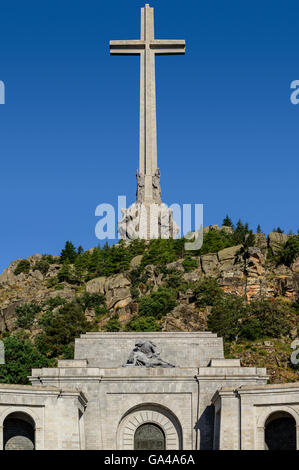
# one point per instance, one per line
(147, 47)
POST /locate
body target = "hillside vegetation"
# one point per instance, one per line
(240, 285)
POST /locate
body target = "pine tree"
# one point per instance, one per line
(68, 253)
(64, 274)
(240, 232)
(258, 229)
(95, 261)
(278, 230)
(80, 268)
(227, 222)
(80, 250)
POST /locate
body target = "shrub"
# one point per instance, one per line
(100, 311)
(216, 240)
(226, 315)
(53, 302)
(134, 293)
(138, 276)
(158, 303)
(42, 266)
(174, 279)
(137, 247)
(20, 357)
(22, 267)
(113, 324)
(26, 314)
(143, 324)
(60, 328)
(207, 292)
(189, 264)
(52, 282)
(91, 300)
(233, 319)
(59, 287)
(272, 318)
(49, 259)
(163, 251)
(289, 251)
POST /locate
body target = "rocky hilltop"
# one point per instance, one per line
(159, 286)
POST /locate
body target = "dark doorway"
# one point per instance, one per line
(18, 432)
(280, 432)
(149, 437)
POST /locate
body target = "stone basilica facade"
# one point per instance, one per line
(149, 391)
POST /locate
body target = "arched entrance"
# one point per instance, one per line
(280, 431)
(149, 426)
(18, 432)
(149, 436)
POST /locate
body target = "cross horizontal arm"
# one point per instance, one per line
(168, 46)
(131, 47)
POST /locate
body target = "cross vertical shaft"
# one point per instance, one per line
(148, 126)
(148, 177)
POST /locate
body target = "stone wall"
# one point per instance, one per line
(192, 349)
(48, 413)
(256, 404)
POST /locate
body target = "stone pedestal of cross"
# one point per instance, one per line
(148, 176)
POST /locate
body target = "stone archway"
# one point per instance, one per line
(149, 436)
(280, 431)
(264, 413)
(18, 432)
(153, 414)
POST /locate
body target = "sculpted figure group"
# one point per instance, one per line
(146, 354)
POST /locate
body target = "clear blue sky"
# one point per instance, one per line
(227, 132)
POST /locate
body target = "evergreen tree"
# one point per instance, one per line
(20, 357)
(95, 261)
(64, 274)
(80, 250)
(59, 330)
(68, 253)
(227, 222)
(80, 268)
(258, 229)
(289, 251)
(240, 232)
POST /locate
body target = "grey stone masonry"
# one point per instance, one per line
(53, 412)
(147, 47)
(121, 398)
(245, 410)
(191, 349)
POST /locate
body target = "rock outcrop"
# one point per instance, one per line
(239, 270)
